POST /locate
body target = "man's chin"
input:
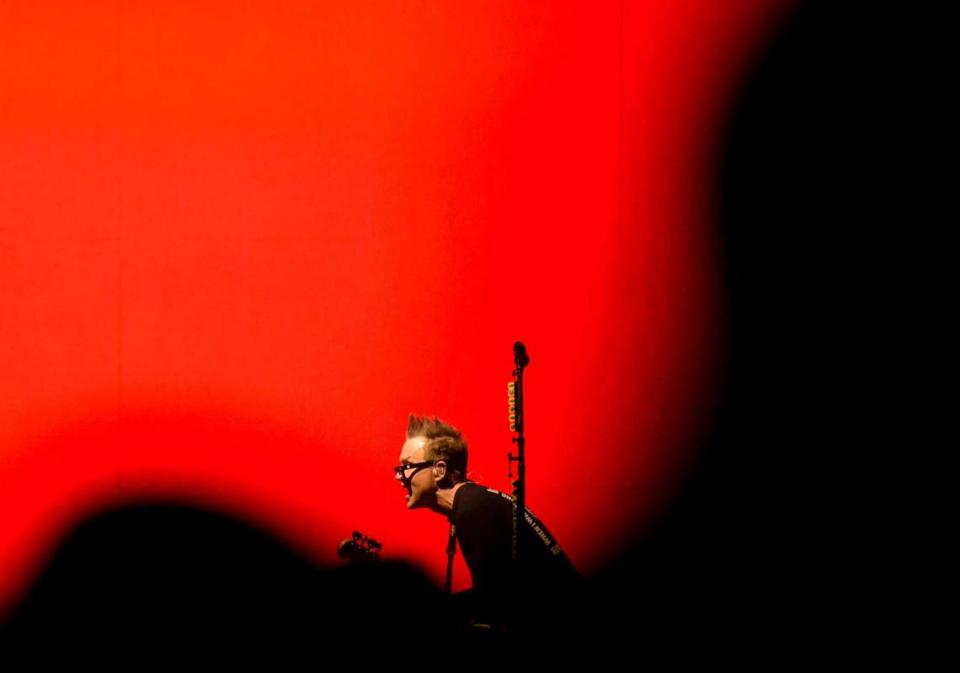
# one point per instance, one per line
(418, 502)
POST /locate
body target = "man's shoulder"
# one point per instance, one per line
(474, 491)
(473, 495)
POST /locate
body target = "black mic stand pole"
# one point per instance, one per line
(515, 400)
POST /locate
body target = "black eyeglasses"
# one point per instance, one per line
(401, 470)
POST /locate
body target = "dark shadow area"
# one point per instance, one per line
(770, 540)
(160, 577)
(160, 580)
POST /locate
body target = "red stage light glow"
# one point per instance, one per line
(240, 243)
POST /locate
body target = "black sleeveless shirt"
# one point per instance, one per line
(483, 520)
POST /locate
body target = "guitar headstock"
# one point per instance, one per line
(359, 548)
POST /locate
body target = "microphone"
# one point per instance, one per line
(520, 356)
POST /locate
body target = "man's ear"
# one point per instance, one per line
(440, 469)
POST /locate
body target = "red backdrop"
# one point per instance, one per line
(239, 243)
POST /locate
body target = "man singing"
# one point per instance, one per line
(433, 469)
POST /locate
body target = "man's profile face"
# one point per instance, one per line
(422, 484)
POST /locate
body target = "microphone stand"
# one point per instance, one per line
(515, 401)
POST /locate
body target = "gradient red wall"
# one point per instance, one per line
(239, 243)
